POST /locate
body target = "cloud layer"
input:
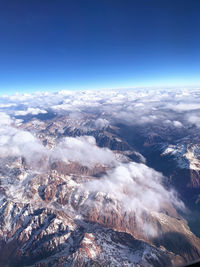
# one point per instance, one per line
(83, 150)
(137, 187)
(138, 106)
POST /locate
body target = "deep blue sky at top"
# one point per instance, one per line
(85, 44)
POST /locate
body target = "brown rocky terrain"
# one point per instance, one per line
(49, 220)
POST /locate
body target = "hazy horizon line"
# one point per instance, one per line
(35, 91)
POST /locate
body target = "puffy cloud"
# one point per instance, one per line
(194, 119)
(185, 106)
(7, 105)
(62, 107)
(32, 111)
(137, 187)
(134, 117)
(15, 143)
(101, 123)
(83, 150)
(173, 123)
(177, 124)
(5, 119)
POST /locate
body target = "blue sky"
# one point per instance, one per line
(53, 45)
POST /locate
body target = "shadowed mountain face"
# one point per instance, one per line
(172, 240)
(100, 178)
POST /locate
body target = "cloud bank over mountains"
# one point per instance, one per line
(16, 142)
(179, 107)
(136, 186)
(83, 150)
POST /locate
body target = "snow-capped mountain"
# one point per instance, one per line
(99, 179)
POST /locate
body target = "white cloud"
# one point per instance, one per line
(83, 150)
(177, 124)
(137, 187)
(67, 107)
(101, 123)
(32, 111)
(5, 119)
(194, 119)
(7, 105)
(15, 143)
(184, 106)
